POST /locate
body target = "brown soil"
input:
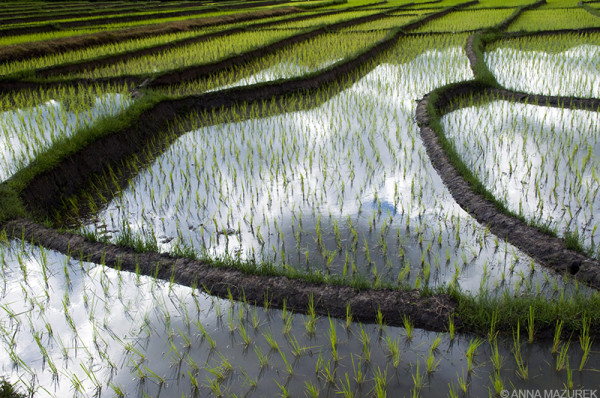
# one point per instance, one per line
(42, 48)
(431, 313)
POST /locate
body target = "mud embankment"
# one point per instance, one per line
(431, 313)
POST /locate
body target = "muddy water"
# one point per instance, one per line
(142, 336)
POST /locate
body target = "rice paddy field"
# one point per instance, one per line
(299, 198)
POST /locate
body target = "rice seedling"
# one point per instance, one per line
(563, 357)
(470, 354)
(408, 327)
(393, 348)
(585, 341)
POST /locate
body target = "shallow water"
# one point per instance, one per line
(343, 189)
(141, 336)
(25, 133)
(573, 72)
(541, 162)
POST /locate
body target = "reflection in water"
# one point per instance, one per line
(25, 133)
(73, 328)
(540, 161)
(344, 189)
(573, 72)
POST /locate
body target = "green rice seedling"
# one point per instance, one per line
(473, 345)
(333, 340)
(359, 376)
(366, 344)
(522, 367)
(563, 356)
(311, 323)
(380, 382)
(311, 389)
(288, 365)
(327, 373)
(451, 327)
(344, 387)
(462, 383)
(530, 324)
(393, 348)
(557, 334)
(408, 326)
(431, 363)
(417, 382)
(585, 341)
(348, 317)
(379, 318)
(263, 359)
(272, 342)
(497, 382)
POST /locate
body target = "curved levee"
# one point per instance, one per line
(547, 249)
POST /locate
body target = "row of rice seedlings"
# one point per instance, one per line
(120, 47)
(198, 17)
(97, 51)
(541, 162)
(90, 10)
(384, 23)
(309, 56)
(118, 13)
(344, 198)
(561, 4)
(565, 65)
(436, 6)
(466, 20)
(500, 3)
(326, 20)
(71, 327)
(91, 19)
(552, 19)
(194, 54)
(28, 38)
(284, 63)
(296, 60)
(28, 131)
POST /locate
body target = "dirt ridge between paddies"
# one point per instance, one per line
(429, 312)
(53, 27)
(80, 66)
(19, 52)
(132, 9)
